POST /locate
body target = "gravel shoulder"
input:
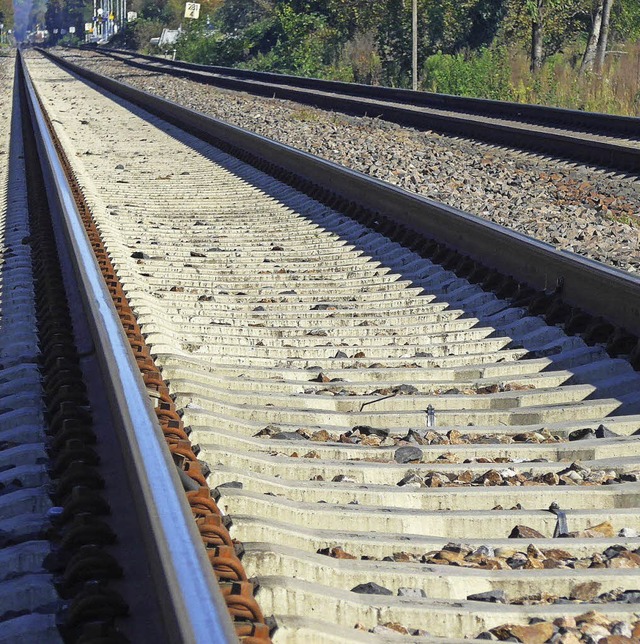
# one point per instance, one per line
(28, 597)
(583, 209)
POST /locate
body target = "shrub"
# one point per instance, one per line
(483, 74)
(136, 35)
(70, 40)
(360, 54)
(207, 47)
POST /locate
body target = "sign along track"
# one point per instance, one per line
(302, 348)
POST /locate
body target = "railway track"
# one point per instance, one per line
(406, 442)
(600, 139)
(88, 553)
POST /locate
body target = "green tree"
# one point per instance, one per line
(548, 25)
(54, 18)
(27, 16)
(353, 16)
(62, 14)
(475, 41)
(625, 20)
(6, 14)
(305, 42)
(393, 43)
(236, 15)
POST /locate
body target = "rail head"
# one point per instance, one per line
(195, 610)
(600, 290)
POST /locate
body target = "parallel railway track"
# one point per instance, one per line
(306, 319)
(600, 139)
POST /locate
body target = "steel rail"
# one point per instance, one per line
(193, 607)
(463, 116)
(600, 290)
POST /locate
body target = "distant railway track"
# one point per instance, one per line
(600, 139)
(416, 421)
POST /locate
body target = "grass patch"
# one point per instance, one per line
(305, 115)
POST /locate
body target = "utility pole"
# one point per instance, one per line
(414, 48)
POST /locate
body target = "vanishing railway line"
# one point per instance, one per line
(603, 139)
(417, 424)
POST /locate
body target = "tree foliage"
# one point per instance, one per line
(560, 22)
(28, 15)
(625, 20)
(486, 74)
(466, 46)
(62, 14)
(6, 13)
